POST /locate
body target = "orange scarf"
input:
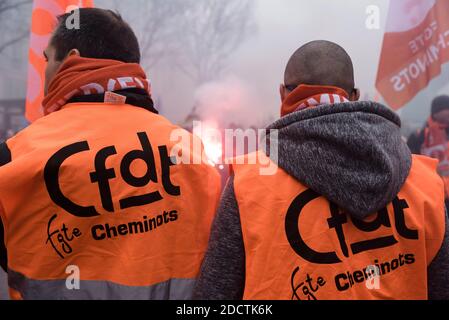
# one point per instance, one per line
(305, 96)
(80, 76)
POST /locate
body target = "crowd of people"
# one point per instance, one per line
(350, 211)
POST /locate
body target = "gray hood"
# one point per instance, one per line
(351, 153)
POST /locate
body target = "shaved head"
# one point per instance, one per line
(321, 63)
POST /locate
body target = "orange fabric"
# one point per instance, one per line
(84, 76)
(42, 25)
(299, 246)
(407, 63)
(14, 294)
(75, 150)
(436, 145)
(305, 96)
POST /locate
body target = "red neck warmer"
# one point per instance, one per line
(84, 76)
(306, 96)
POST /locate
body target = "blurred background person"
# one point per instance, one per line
(433, 139)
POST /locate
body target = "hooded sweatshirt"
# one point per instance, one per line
(351, 153)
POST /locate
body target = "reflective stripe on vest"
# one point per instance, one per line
(93, 187)
(174, 289)
(299, 246)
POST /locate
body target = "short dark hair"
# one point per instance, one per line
(321, 63)
(439, 104)
(102, 34)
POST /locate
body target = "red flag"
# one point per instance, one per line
(415, 46)
(42, 25)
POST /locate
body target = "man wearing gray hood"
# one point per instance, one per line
(349, 214)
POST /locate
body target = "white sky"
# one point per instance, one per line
(285, 25)
(258, 65)
(282, 27)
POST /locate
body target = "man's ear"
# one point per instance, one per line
(74, 52)
(355, 96)
(283, 92)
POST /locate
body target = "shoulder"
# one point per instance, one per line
(5, 154)
(424, 172)
(424, 166)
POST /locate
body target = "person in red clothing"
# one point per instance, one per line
(433, 139)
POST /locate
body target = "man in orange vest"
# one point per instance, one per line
(348, 214)
(433, 141)
(94, 203)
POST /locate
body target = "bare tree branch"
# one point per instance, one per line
(6, 5)
(155, 24)
(12, 41)
(213, 30)
(10, 36)
(196, 36)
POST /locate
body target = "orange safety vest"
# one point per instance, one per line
(299, 246)
(91, 194)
